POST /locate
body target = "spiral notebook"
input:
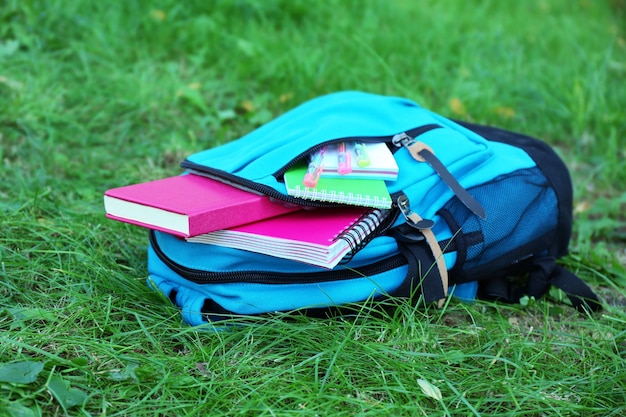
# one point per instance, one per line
(356, 192)
(321, 237)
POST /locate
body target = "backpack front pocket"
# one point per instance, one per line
(259, 160)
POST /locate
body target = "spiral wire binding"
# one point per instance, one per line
(362, 231)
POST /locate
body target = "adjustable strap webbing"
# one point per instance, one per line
(422, 276)
(545, 272)
(437, 253)
(424, 152)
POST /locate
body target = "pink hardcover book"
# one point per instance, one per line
(319, 237)
(188, 205)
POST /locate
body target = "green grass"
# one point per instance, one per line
(94, 95)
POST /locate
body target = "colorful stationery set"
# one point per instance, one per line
(346, 173)
(206, 211)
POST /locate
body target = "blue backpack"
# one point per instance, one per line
(473, 206)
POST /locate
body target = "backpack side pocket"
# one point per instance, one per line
(522, 217)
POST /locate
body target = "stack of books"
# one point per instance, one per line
(203, 210)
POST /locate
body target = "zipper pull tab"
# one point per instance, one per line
(412, 218)
(421, 152)
(402, 139)
(413, 146)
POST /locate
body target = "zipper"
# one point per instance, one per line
(250, 185)
(367, 139)
(272, 193)
(216, 173)
(265, 277)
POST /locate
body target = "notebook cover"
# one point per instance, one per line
(310, 236)
(356, 192)
(206, 204)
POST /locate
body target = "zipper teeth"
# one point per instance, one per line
(271, 192)
(368, 139)
(298, 158)
(250, 185)
(262, 277)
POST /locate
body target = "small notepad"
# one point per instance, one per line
(355, 192)
(381, 166)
